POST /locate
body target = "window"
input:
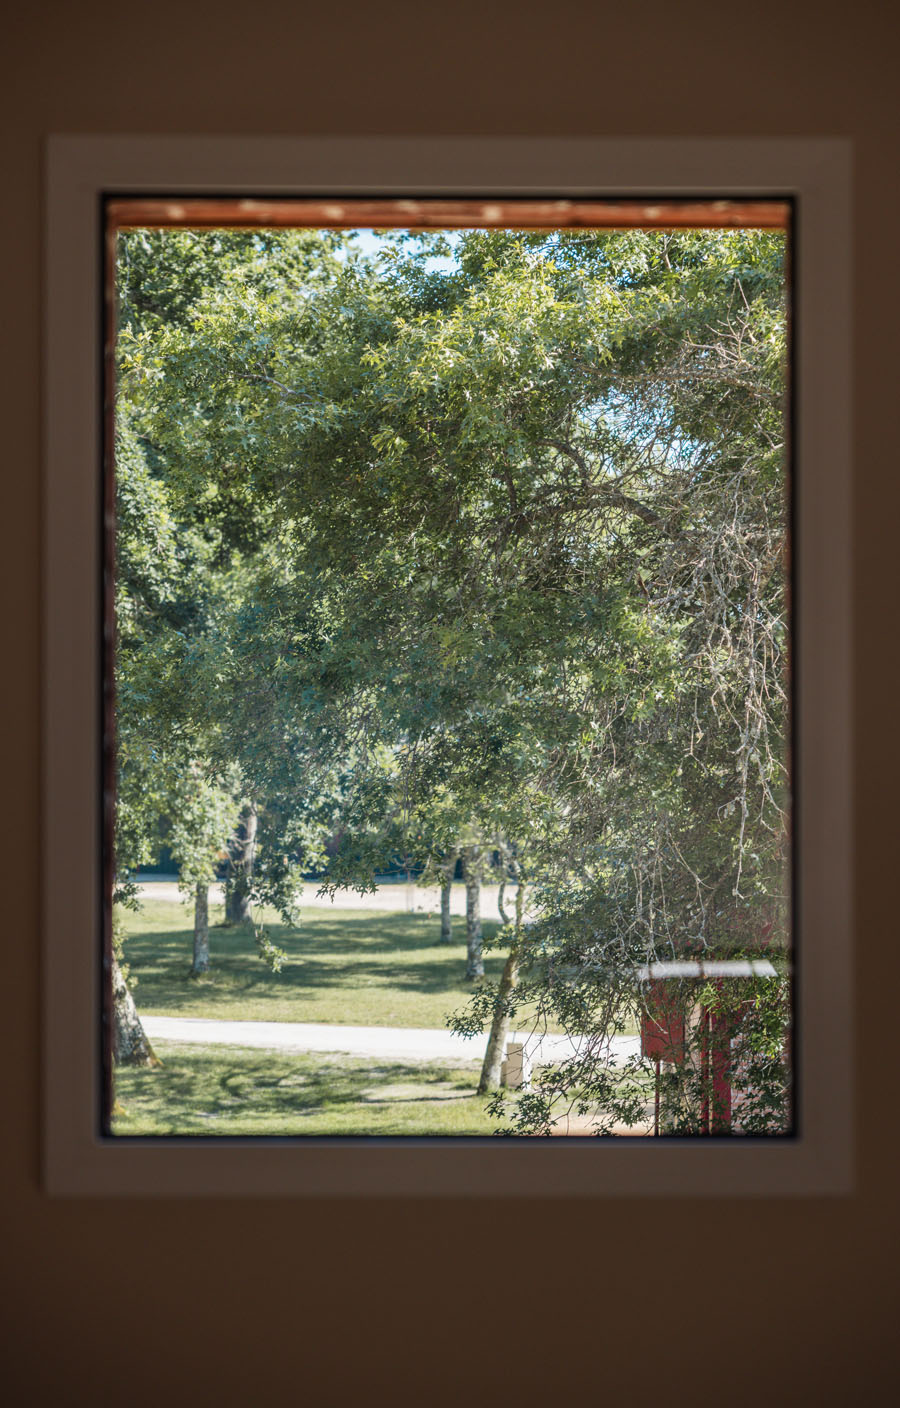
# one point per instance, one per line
(811, 174)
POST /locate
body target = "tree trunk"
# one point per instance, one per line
(243, 854)
(493, 1056)
(201, 930)
(446, 892)
(506, 869)
(132, 1047)
(472, 869)
(501, 898)
(446, 925)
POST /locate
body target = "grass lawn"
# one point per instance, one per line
(224, 1090)
(350, 967)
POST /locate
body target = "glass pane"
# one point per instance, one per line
(451, 682)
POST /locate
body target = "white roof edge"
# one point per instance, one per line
(708, 968)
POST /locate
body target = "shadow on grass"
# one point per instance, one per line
(202, 1091)
(347, 933)
(353, 952)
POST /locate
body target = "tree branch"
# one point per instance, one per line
(612, 495)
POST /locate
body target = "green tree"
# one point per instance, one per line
(525, 528)
(204, 816)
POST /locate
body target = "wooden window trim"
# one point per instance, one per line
(425, 214)
(468, 182)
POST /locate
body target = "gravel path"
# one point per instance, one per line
(389, 1043)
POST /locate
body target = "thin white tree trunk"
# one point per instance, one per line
(131, 1045)
(446, 923)
(243, 849)
(201, 930)
(493, 1056)
(446, 893)
(472, 868)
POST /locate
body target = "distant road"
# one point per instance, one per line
(385, 1043)
(397, 897)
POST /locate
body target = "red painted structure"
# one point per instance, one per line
(663, 1039)
(662, 1023)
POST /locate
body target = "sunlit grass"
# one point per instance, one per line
(352, 967)
(220, 1090)
(349, 967)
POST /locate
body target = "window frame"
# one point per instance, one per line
(82, 172)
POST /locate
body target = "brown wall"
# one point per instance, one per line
(762, 1303)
